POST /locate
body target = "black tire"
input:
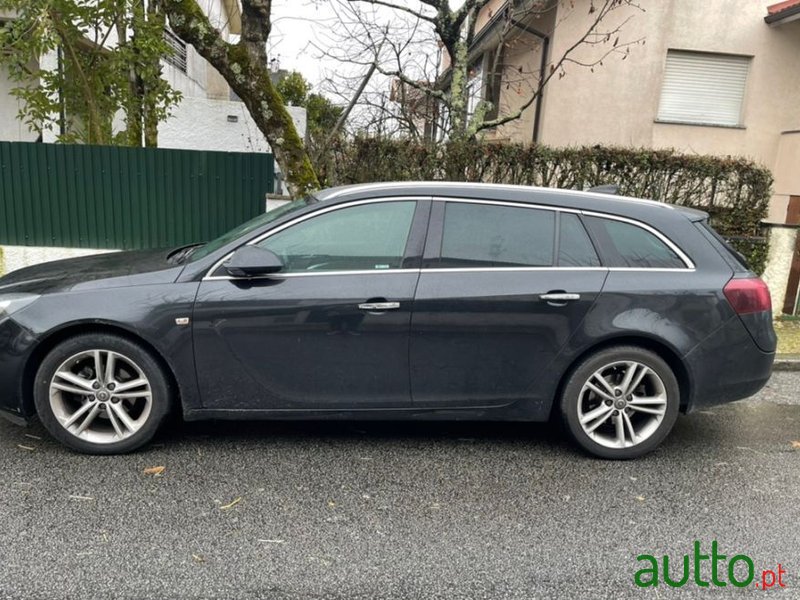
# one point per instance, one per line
(571, 398)
(160, 389)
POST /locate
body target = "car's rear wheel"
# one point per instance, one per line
(101, 394)
(621, 402)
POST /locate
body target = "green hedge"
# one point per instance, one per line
(734, 191)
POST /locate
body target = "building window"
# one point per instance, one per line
(704, 89)
(475, 87)
(177, 54)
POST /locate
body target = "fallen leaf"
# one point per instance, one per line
(796, 444)
(640, 498)
(198, 558)
(231, 505)
(28, 448)
(154, 471)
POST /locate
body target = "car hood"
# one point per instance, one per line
(115, 269)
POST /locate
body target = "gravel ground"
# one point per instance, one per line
(383, 510)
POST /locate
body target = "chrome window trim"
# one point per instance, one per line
(513, 269)
(454, 270)
(312, 274)
(209, 277)
(654, 269)
(690, 266)
(508, 269)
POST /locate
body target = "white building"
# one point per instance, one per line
(207, 118)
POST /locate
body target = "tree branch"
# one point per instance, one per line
(244, 67)
(404, 9)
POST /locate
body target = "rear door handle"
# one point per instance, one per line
(379, 306)
(559, 297)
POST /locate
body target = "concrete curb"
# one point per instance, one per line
(787, 362)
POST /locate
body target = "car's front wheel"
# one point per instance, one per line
(621, 402)
(101, 394)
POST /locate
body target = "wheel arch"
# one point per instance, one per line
(54, 338)
(663, 350)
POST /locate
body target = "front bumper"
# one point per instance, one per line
(16, 346)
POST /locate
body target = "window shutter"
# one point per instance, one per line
(703, 88)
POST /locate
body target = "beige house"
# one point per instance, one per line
(718, 77)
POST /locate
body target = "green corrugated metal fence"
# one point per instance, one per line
(110, 197)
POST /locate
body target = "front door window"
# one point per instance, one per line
(367, 237)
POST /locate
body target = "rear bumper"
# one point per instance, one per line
(727, 366)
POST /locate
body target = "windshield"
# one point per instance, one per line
(248, 226)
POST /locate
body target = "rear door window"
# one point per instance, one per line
(631, 246)
(484, 235)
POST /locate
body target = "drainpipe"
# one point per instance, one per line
(542, 67)
(538, 111)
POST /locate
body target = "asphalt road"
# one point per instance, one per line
(382, 510)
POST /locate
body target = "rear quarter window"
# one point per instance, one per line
(630, 246)
(733, 257)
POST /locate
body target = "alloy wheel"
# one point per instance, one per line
(622, 404)
(101, 396)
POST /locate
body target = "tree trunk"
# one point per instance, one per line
(244, 67)
(155, 19)
(133, 110)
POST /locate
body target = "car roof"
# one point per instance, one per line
(555, 197)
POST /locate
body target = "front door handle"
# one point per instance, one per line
(559, 297)
(379, 306)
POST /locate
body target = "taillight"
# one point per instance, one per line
(750, 295)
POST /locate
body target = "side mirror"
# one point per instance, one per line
(251, 261)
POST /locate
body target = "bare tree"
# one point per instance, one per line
(362, 39)
(244, 66)
(412, 32)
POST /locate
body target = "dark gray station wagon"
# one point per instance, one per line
(397, 301)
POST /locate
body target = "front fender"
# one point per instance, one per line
(145, 313)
